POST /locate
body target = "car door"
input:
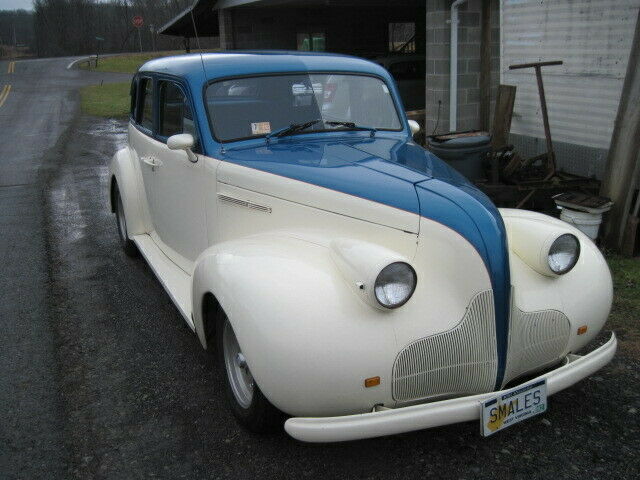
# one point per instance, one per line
(179, 188)
(141, 141)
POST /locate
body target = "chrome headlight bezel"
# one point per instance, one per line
(557, 244)
(386, 277)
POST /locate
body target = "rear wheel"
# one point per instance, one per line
(247, 403)
(128, 245)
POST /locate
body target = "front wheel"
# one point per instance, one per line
(247, 403)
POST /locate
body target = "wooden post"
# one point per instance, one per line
(502, 116)
(485, 66)
(618, 183)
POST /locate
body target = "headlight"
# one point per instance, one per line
(564, 254)
(395, 285)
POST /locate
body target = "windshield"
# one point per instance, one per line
(257, 106)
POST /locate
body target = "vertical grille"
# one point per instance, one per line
(536, 339)
(462, 360)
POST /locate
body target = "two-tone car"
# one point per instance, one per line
(351, 283)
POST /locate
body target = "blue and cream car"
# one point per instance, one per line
(351, 283)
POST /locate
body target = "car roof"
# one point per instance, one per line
(240, 63)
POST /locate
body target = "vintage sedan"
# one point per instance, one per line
(351, 283)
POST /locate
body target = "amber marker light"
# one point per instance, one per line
(582, 330)
(372, 382)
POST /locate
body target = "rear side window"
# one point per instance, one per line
(175, 112)
(134, 96)
(145, 109)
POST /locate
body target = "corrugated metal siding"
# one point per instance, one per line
(593, 38)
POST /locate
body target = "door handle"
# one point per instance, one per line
(153, 162)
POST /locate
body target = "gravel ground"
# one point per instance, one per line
(138, 397)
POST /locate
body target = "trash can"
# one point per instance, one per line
(587, 223)
(464, 151)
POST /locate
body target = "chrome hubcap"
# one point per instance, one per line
(238, 373)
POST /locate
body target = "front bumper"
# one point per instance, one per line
(435, 414)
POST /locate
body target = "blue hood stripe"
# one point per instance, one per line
(484, 229)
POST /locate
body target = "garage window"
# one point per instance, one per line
(312, 42)
(175, 112)
(402, 37)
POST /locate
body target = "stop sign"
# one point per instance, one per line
(138, 21)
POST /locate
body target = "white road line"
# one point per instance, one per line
(83, 59)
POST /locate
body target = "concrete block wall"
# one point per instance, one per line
(438, 34)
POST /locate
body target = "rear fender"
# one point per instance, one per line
(124, 173)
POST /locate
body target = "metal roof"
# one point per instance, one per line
(205, 16)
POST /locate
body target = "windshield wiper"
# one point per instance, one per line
(353, 126)
(291, 129)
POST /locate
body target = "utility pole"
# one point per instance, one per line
(622, 162)
(485, 66)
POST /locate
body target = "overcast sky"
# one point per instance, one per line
(14, 4)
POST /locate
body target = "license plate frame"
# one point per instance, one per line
(512, 406)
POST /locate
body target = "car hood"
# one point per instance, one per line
(393, 172)
(385, 170)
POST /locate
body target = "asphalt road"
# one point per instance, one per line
(101, 378)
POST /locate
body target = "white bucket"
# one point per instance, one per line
(587, 223)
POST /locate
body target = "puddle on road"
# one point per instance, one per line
(110, 129)
(68, 200)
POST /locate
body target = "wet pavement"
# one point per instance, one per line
(101, 378)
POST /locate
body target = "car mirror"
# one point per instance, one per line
(183, 141)
(415, 127)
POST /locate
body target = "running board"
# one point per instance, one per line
(174, 280)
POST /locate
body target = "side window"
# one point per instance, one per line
(175, 113)
(145, 107)
(134, 96)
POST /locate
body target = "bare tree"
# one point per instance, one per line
(72, 27)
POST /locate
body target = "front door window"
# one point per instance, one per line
(175, 113)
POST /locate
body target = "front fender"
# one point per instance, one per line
(309, 340)
(584, 294)
(123, 169)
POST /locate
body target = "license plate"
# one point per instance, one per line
(513, 406)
